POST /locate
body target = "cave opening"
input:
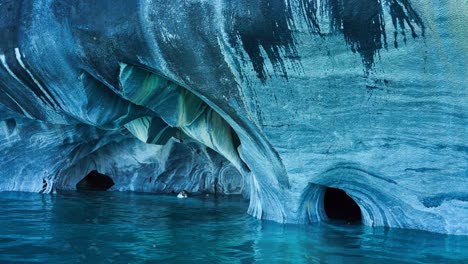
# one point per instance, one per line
(95, 181)
(340, 206)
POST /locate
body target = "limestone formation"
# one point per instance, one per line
(276, 100)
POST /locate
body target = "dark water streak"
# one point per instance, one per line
(269, 25)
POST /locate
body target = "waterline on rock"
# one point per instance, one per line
(71, 227)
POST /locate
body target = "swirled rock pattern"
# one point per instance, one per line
(273, 99)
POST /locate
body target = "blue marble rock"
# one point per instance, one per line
(276, 100)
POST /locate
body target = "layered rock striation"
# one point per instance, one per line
(276, 100)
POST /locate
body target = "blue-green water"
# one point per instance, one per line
(113, 227)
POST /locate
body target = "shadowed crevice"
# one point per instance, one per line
(95, 181)
(340, 206)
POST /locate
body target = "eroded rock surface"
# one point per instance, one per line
(276, 100)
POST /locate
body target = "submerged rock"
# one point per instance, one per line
(277, 100)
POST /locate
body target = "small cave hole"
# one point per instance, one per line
(95, 181)
(340, 206)
(11, 125)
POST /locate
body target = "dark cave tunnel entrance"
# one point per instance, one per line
(340, 206)
(95, 181)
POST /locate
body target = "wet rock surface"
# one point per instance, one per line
(277, 100)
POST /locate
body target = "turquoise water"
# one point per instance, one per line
(113, 227)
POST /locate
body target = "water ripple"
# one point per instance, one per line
(113, 227)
